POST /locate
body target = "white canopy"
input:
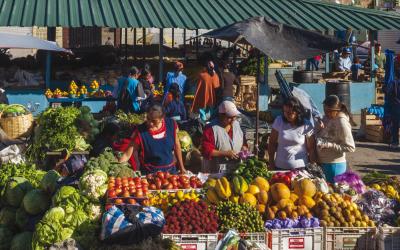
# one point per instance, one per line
(13, 41)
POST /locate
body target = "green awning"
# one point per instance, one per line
(190, 14)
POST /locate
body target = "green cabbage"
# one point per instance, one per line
(36, 202)
(56, 214)
(76, 219)
(185, 140)
(21, 218)
(16, 189)
(7, 217)
(22, 241)
(49, 181)
(5, 237)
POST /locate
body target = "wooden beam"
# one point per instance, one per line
(134, 43)
(161, 55)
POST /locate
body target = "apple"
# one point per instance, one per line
(118, 201)
(173, 178)
(132, 201)
(167, 175)
(111, 193)
(146, 203)
(139, 193)
(158, 184)
(152, 187)
(165, 184)
(126, 194)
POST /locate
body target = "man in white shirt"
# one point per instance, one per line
(344, 62)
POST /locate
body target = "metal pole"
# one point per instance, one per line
(173, 37)
(126, 45)
(144, 44)
(184, 44)
(134, 44)
(372, 40)
(256, 148)
(161, 51)
(48, 69)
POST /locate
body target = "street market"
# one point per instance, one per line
(247, 140)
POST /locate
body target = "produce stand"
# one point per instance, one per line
(349, 238)
(388, 238)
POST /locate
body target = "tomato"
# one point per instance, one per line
(167, 175)
(118, 201)
(111, 185)
(152, 187)
(160, 175)
(111, 193)
(139, 193)
(118, 191)
(137, 179)
(146, 203)
(126, 194)
(132, 201)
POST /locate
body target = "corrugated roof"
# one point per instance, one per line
(191, 14)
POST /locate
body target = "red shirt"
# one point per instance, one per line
(208, 143)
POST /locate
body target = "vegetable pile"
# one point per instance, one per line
(253, 168)
(108, 163)
(57, 130)
(28, 171)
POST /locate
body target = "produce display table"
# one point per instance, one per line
(75, 100)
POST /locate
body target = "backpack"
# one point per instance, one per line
(125, 102)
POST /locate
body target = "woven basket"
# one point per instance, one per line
(17, 126)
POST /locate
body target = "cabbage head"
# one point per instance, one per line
(55, 214)
(7, 217)
(36, 202)
(5, 237)
(49, 181)
(16, 189)
(76, 219)
(22, 241)
(185, 140)
(21, 218)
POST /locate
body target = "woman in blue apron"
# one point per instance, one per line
(157, 144)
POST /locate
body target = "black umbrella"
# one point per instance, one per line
(278, 41)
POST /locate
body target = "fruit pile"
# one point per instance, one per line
(242, 217)
(334, 211)
(253, 168)
(282, 177)
(94, 85)
(164, 200)
(238, 191)
(73, 86)
(48, 93)
(286, 204)
(57, 93)
(127, 187)
(83, 90)
(388, 190)
(190, 217)
(161, 180)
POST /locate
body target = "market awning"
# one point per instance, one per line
(189, 14)
(279, 41)
(12, 41)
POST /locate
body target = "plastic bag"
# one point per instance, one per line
(113, 221)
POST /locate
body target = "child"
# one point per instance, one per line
(175, 108)
(355, 69)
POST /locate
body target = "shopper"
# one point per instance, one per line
(228, 79)
(343, 63)
(223, 139)
(104, 139)
(205, 97)
(176, 77)
(157, 143)
(313, 63)
(291, 143)
(335, 139)
(380, 58)
(175, 109)
(355, 69)
(129, 91)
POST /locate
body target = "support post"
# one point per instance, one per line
(144, 44)
(126, 45)
(173, 37)
(327, 63)
(256, 148)
(161, 54)
(215, 42)
(197, 44)
(184, 44)
(48, 69)
(372, 40)
(134, 44)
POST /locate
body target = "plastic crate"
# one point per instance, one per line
(295, 238)
(194, 241)
(259, 240)
(349, 238)
(388, 238)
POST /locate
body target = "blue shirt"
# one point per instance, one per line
(178, 78)
(131, 88)
(175, 109)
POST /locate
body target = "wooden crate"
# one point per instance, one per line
(375, 133)
(367, 119)
(380, 98)
(247, 80)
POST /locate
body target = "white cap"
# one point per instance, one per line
(228, 108)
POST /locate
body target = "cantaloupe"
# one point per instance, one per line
(280, 191)
(305, 187)
(261, 183)
(253, 189)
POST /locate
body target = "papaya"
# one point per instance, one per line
(223, 188)
(305, 187)
(212, 196)
(239, 185)
(280, 191)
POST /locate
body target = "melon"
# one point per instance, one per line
(306, 201)
(284, 203)
(253, 189)
(248, 198)
(261, 183)
(280, 191)
(305, 187)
